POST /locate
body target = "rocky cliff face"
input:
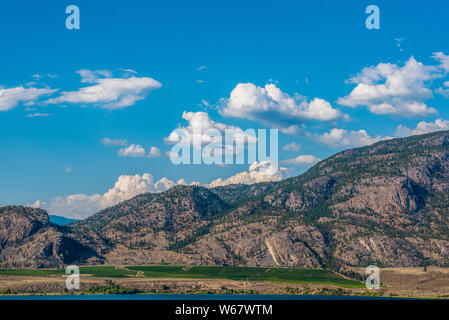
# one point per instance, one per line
(386, 204)
(28, 240)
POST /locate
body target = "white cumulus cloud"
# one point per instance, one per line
(201, 130)
(262, 171)
(338, 138)
(274, 108)
(423, 127)
(133, 150)
(79, 206)
(154, 152)
(391, 89)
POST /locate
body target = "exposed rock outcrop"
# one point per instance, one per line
(385, 204)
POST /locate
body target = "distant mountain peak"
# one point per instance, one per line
(384, 204)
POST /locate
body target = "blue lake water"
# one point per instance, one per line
(188, 297)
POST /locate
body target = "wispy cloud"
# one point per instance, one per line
(91, 76)
(107, 92)
(38, 114)
(302, 160)
(11, 97)
(114, 142)
(291, 147)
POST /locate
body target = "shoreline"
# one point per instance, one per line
(206, 296)
(410, 283)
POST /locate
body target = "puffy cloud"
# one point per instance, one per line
(274, 108)
(390, 89)
(154, 152)
(184, 183)
(108, 92)
(201, 130)
(293, 129)
(338, 138)
(423, 127)
(11, 97)
(262, 171)
(133, 150)
(114, 142)
(302, 160)
(291, 147)
(163, 184)
(79, 206)
(320, 109)
(128, 186)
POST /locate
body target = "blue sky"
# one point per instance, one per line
(197, 53)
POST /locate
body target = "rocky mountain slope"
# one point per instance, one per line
(27, 239)
(385, 204)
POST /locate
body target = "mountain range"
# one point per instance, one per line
(384, 204)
